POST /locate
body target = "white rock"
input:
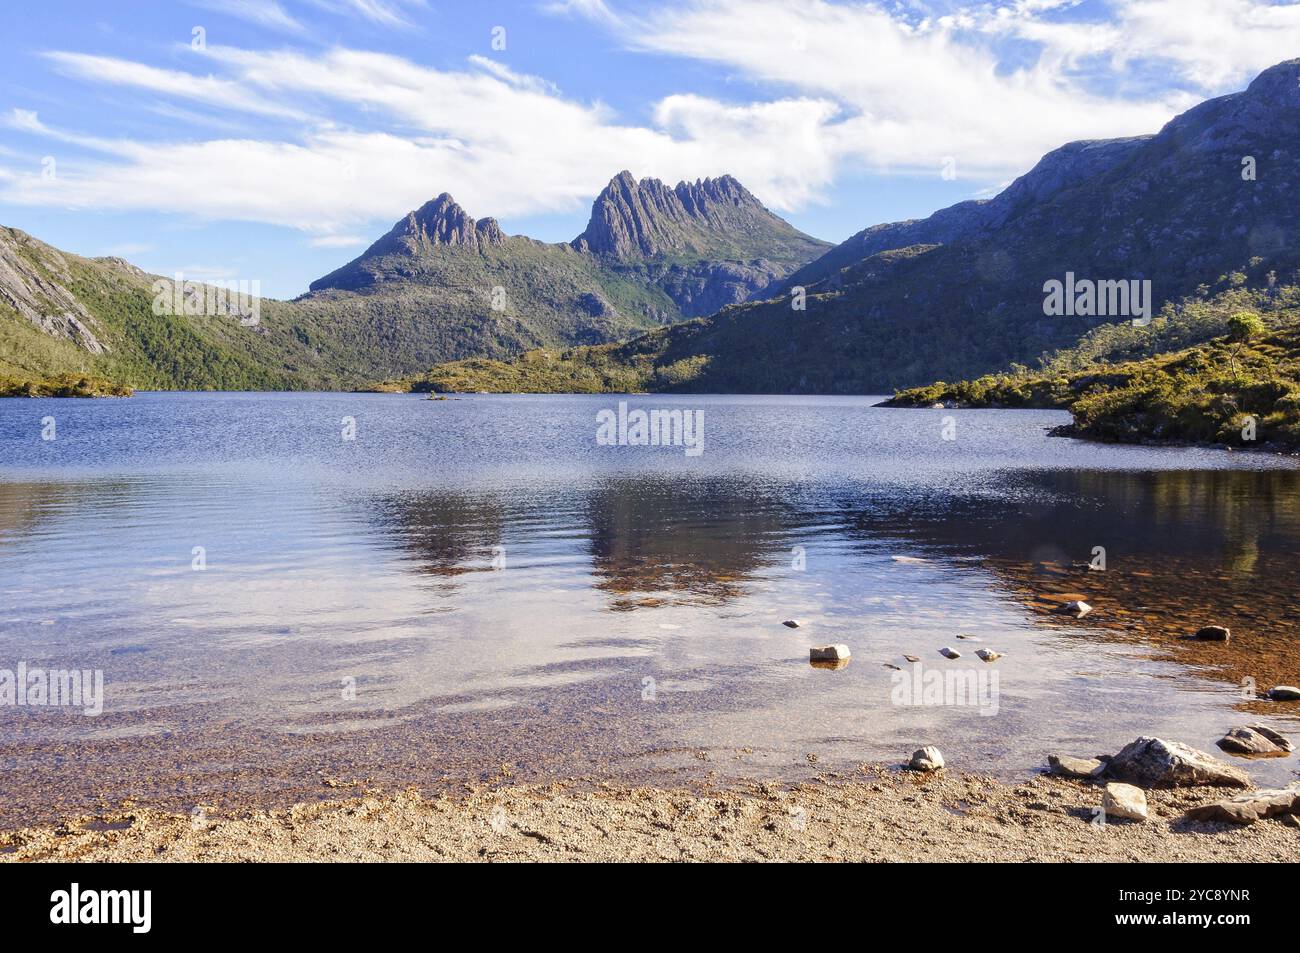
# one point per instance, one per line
(1284, 693)
(988, 655)
(928, 758)
(1078, 608)
(947, 652)
(1124, 800)
(828, 653)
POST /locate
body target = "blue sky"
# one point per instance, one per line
(274, 139)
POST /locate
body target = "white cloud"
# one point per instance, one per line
(362, 137)
(268, 13)
(385, 12)
(470, 132)
(339, 241)
(206, 89)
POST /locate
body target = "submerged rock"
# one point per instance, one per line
(1156, 763)
(1256, 739)
(928, 758)
(1213, 633)
(1068, 767)
(947, 652)
(911, 658)
(1249, 808)
(1124, 800)
(828, 653)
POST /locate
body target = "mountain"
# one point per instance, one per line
(1207, 203)
(706, 244)
(650, 255)
(439, 285)
(61, 314)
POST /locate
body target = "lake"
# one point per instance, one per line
(289, 594)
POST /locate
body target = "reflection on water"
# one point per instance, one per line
(474, 590)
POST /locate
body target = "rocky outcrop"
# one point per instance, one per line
(1156, 763)
(1249, 808)
(632, 219)
(707, 244)
(1256, 739)
(40, 293)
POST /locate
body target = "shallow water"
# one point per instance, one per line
(509, 598)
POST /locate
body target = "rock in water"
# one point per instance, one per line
(1213, 633)
(1082, 768)
(1078, 609)
(988, 655)
(911, 658)
(1156, 763)
(792, 623)
(1124, 800)
(947, 652)
(1256, 739)
(1284, 693)
(1249, 808)
(828, 653)
(928, 758)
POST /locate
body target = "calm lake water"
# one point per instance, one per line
(475, 589)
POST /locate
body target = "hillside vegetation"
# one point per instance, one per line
(1224, 370)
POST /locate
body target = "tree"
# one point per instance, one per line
(1243, 327)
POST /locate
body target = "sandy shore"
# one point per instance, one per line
(878, 814)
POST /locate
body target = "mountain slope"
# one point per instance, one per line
(650, 255)
(438, 285)
(962, 293)
(706, 244)
(1224, 370)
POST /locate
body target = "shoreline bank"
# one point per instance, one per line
(879, 813)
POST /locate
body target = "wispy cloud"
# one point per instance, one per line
(209, 90)
(347, 137)
(339, 241)
(385, 12)
(267, 13)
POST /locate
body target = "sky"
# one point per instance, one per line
(273, 140)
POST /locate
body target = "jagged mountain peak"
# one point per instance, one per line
(440, 221)
(633, 219)
(437, 224)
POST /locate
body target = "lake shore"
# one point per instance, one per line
(880, 813)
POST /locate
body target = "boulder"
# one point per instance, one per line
(988, 655)
(1078, 609)
(1124, 800)
(1156, 763)
(947, 652)
(828, 653)
(1068, 767)
(1249, 808)
(792, 623)
(1284, 693)
(1213, 633)
(1256, 739)
(928, 758)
